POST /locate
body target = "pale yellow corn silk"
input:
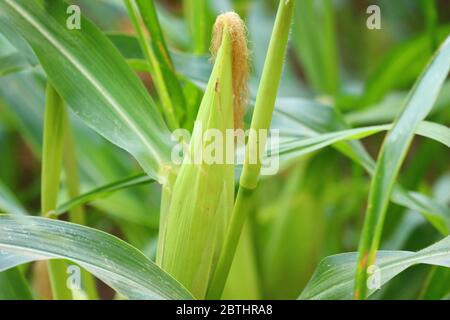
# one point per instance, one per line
(198, 199)
(240, 59)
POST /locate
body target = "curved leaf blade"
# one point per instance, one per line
(103, 191)
(296, 146)
(112, 260)
(334, 277)
(393, 152)
(90, 74)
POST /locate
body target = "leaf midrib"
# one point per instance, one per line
(85, 73)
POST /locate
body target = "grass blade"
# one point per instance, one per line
(293, 147)
(334, 277)
(113, 261)
(156, 54)
(392, 154)
(103, 191)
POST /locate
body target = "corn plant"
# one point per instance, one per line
(224, 150)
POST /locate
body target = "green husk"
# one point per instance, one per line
(198, 199)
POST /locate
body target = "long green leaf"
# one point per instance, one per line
(90, 74)
(113, 261)
(311, 118)
(390, 107)
(392, 154)
(334, 277)
(166, 84)
(103, 191)
(295, 146)
(151, 20)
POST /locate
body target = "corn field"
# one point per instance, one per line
(224, 149)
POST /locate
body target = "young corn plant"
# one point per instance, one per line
(129, 158)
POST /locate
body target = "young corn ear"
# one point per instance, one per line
(198, 199)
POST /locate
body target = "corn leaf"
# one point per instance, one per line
(93, 78)
(312, 118)
(295, 147)
(103, 191)
(394, 150)
(113, 261)
(334, 277)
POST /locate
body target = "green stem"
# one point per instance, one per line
(52, 154)
(76, 214)
(262, 118)
(158, 75)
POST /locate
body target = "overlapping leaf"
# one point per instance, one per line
(91, 75)
(334, 277)
(115, 262)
